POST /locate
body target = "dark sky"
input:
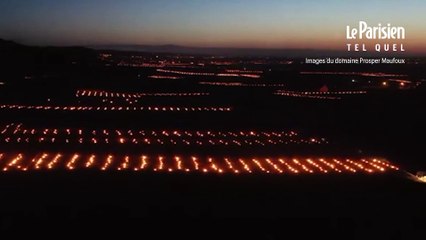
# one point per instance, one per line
(219, 23)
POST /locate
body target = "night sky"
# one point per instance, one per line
(219, 23)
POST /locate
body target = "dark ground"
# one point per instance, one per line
(387, 123)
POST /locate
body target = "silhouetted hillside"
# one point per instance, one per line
(246, 52)
(21, 62)
(234, 52)
(13, 54)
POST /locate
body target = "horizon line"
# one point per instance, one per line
(117, 46)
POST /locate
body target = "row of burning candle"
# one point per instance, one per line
(227, 74)
(19, 128)
(114, 108)
(283, 165)
(17, 133)
(332, 95)
(239, 84)
(159, 141)
(110, 94)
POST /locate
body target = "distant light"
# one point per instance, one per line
(402, 84)
(2, 83)
(384, 83)
(353, 80)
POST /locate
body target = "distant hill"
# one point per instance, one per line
(28, 63)
(246, 52)
(12, 54)
(59, 55)
(241, 52)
